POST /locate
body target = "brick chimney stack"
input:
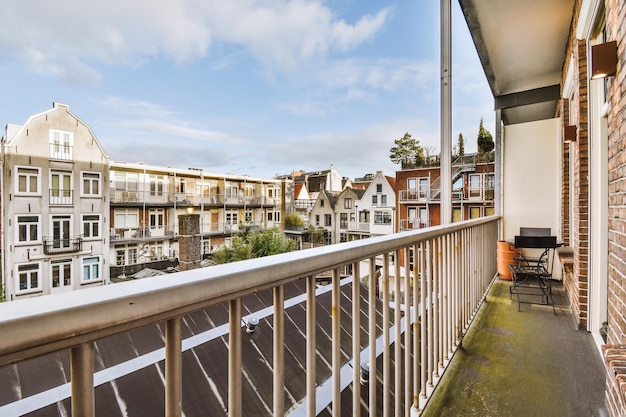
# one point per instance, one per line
(189, 241)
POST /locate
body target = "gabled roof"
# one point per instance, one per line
(391, 181)
(331, 196)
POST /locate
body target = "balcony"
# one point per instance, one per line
(60, 197)
(331, 348)
(52, 246)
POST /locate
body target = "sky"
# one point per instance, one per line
(248, 87)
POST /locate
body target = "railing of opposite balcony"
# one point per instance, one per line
(454, 266)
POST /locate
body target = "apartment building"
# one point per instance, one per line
(147, 200)
(419, 193)
(54, 206)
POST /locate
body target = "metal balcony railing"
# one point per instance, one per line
(451, 266)
(62, 245)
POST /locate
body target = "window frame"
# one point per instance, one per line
(328, 220)
(30, 289)
(17, 175)
(65, 141)
(18, 225)
(97, 180)
(95, 219)
(90, 265)
(64, 265)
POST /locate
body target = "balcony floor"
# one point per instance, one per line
(527, 363)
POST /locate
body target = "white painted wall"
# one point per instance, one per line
(531, 178)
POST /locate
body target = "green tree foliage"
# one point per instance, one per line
(485, 140)
(293, 220)
(460, 145)
(407, 152)
(248, 244)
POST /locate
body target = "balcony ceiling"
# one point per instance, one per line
(521, 45)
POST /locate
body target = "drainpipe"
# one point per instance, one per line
(446, 113)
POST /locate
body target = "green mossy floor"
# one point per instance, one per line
(527, 363)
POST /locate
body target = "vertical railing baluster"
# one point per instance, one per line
(386, 339)
(336, 343)
(279, 351)
(356, 340)
(398, 337)
(437, 271)
(234, 358)
(424, 268)
(311, 355)
(429, 310)
(445, 301)
(371, 300)
(81, 374)
(408, 334)
(173, 368)
(417, 348)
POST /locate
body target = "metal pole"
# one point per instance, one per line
(446, 112)
(81, 370)
(279, 351)
(173, 368)
(310, 346)
(234, 358)
(386, 339)
(398, 336)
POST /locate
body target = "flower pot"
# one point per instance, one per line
(506, 257)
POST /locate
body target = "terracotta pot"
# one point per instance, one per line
(506, 255)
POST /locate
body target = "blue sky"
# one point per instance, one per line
(250, 87)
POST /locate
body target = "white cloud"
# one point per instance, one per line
(70, 39)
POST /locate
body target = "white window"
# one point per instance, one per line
(374, 199)
(120, 256)
(231, 217)
(383, 199)
(90, 183)
(382, 217)
(423, 188)
(91, 226)
(157, 184)
(157, 217)
(132, 256)
(412, 185)
(379, 188)
(61, 144)
(126, 219)
(28, 230)
(474, 186)
(61, 187)
(91, 269)
(328, 220)
(125, 181)
(61, 231)
(62, 273)
(28, 180)
(29, 277)
(249, 216)
(347, 203)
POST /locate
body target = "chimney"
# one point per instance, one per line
(189, 242)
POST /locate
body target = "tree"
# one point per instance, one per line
(461, 144)
(485, 140)
(249, 244)
(407, 152)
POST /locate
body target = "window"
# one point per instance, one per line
(374, 199)
(231, 217)
(61, 273)
(328, 220)
(457, 215)
(61, 231)
(382, 217)
(61, 187)
(126, 219)
(423, 188)
(126, 181)
(28, 229)
(28, 277)
(474, 212)
(91, 226)
(132, 256)
(364, 216)
(412, 185)
(91, 269)
(248, 216)
(28, 180)
(321, 203)
(120, 256)
(474, 186)
(317, 219)
(157, 217)
(61, 143)
(343, 220)
(347, 203)
(379, 188)
(383, 199)
(157, 184)
(91, 183)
